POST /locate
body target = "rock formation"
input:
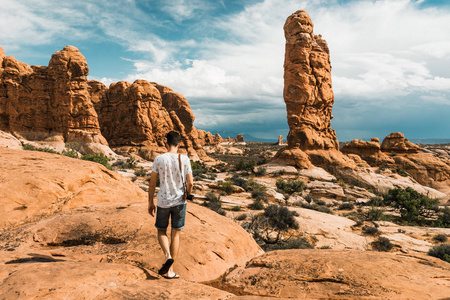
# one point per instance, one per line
(307, 86)
(396, 142)
(309, 97)
(50, 104)
(135, 118)
(239, 138)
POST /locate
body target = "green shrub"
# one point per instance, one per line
(440, 238)
(279, 173)
(444, 218)
(298, 243)
(140, 173)
(70, 153)
(280, 217)
(290, 186)
(259, 194)
(315, 206)
(236, 208)
(383, 244)
(227, 187)
(241, 217)
(261, 171)
(370, 230)
(346, 206)
(442, 252)
(33, 148)
(245, 166)
(240, 181)
(131, 162)
(98, 158)
(256, 205)
(375, 214)
(411, 204)
(214, 203)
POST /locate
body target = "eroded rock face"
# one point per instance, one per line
(307, 86)
(136, 118)
(49, 103)
(396, 142)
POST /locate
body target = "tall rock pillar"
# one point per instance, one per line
(307, 86)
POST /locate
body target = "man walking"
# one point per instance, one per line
(174, 171)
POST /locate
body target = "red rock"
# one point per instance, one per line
(396, 142)
(362, 148)
(49, 103)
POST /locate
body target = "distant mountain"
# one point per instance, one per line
(247, 137)
(430, 141)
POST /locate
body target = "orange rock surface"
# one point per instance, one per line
(344, 274)
(49, 103)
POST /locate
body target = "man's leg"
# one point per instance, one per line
(163, 240)
(174, 246)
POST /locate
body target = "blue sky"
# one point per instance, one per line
(390, 58)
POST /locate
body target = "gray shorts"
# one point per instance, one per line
(176, 213)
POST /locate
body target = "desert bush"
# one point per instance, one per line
(376, 201)
(280, 217)
(140, 172)
(256, 205)
(33, 148)
(261, 171)
(259, 194)
(134, 178)
(410, 203)
(214, 203)
(346, 206)
(227, 187)
(241, 217)
(370, 230)
(290, 186)
(442, 252)
(440, 238)
(240, 181)
(375, 214)
(315, 206)
(297, 243)
(98, 158)
(245, 166)
(236, 208)
(443, 218)
(70, 153)
(131, 162)
(279, 173)
(383, 244)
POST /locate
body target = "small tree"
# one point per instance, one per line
(411, 204)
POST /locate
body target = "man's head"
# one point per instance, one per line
(173, 138)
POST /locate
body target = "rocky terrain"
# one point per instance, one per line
(302, 220)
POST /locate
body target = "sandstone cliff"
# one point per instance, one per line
(50, 104)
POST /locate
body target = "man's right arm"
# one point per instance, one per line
(151, 193)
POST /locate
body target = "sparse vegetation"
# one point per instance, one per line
(383, 244)
(260, 171)
(413, 206)
(290, 186)
(256, 205)
(297, 243)
(346, 206)
(241, 217)
(236, 208)
(440, 238)
(370, 230)
(70, 153)
(98, 158)
(140, 172)
(33, 148)
(315, 206)
(442, 252)
(227, 187)
(245, 166)
(214, 203)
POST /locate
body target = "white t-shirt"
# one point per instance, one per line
(171, 188)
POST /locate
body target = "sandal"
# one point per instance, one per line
(175, 276)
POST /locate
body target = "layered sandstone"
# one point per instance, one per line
(307, 86)
(308, 96)
(135, 117)
(396, 142)
(50, 104)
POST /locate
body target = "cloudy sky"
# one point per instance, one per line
(390, 58)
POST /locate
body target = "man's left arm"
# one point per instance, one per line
(151, 193)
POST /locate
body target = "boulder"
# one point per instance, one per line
(396, 142)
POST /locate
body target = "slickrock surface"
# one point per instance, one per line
(307, 86)
(51, 103)
(35, 185)
(345, 274)
(89, 280)
(58, 201)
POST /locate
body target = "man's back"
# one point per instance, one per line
(171, 181)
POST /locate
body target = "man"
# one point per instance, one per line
(171, 202)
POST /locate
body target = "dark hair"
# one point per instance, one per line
(173, 138)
